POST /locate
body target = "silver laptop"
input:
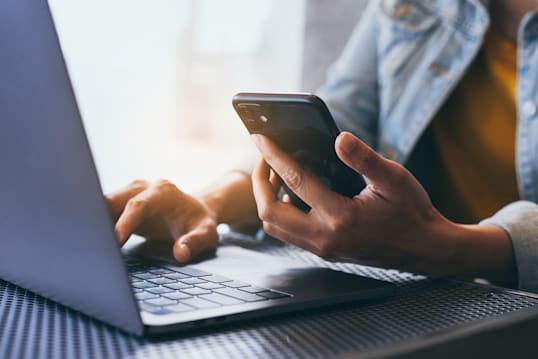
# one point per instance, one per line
(57, 236)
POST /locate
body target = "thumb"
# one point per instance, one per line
(364, 160)
(195, 243)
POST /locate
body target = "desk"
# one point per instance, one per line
(423, 311)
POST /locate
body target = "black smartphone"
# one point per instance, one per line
(302, 126)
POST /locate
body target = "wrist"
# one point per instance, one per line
(483, 251)
(211, 206)
(229, 200)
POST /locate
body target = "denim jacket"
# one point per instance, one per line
(400, 65)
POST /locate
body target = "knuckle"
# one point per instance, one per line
(164, 185)
(138, 204)
(264, 213)
(293, 178)
(269, 228)
(138, 183)
(268, 157)
(338, 223)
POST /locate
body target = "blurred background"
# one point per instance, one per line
(154, 79)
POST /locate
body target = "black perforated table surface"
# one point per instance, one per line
(34, 327)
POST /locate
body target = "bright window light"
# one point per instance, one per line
(154, 80)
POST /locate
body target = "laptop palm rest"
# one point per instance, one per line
(267, 271)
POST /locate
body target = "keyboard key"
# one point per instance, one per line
(273, 295)
(138, 269)
(178, 285)
(217, 279)
(146, 295)
(179, 308)
(160, 301)
(193, 280)
(145, 275)
(195, 291)
(239, 294)
(153, 309)
(254, 290)
(221, 299)
(192, 272)
(209, 285)
(143, 285)
(177, 295)
(175, 275)
(161, 311)
(160, 271)
(235, 284)
(151, 267)
(161, 280)
(159, 290)
(199, 303)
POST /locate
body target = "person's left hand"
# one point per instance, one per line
(391, 223)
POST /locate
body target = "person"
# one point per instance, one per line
(437, 101)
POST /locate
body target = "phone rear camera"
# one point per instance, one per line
(250, 113)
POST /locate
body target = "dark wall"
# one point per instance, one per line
(327, 28)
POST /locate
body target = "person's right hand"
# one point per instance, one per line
(161, 211)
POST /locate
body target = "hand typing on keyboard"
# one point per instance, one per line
(162, 211)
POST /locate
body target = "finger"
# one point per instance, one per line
(303, 183)
(117, 200)
(271, 210)
(158, 198)
(201, 240)
(364, 160)
(286, 198)
(276, 182)
(261, 182)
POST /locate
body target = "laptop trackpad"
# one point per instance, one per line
(269, 271)
(287, 275)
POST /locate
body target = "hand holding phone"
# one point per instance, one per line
(302, 126)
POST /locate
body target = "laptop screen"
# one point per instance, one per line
(56, 234)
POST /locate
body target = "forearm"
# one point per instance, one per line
(230, 199)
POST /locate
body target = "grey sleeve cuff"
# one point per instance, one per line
(520, 221)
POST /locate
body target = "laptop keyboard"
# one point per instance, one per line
(162, 290)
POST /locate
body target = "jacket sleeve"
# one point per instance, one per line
(520, 221)
(351, 88)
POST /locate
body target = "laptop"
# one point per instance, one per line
(57, 235)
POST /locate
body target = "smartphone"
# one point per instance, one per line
(302, 126)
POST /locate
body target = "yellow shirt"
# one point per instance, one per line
(475, 137)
